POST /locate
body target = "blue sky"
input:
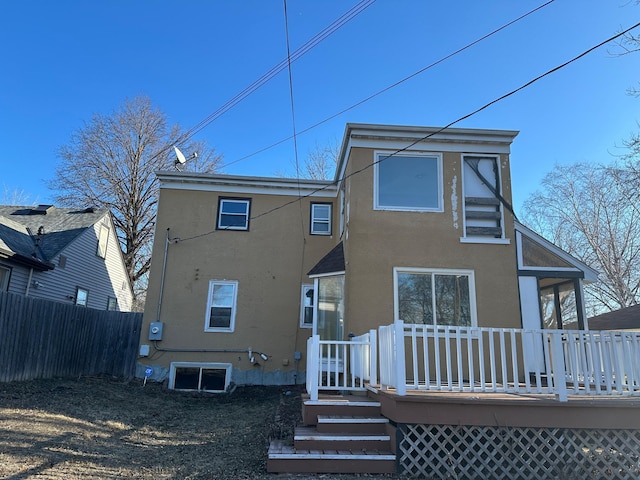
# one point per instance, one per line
(64, 61)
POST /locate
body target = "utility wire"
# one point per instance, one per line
(393, 85)
(275, 70)
(439, 130)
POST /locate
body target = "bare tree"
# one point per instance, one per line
(320, 163)
(583, 210)
(15, 196)
(111, 163)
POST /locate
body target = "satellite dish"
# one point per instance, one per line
(180, 158)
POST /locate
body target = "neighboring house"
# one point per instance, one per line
(63, 254)
(623, 319)
(417, 225)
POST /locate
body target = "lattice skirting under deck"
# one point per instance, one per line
(468, 452)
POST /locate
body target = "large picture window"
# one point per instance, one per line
(233, 213)
(435, 297)
(221, 306)
(408, 182)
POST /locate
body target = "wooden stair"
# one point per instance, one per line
(343, 434)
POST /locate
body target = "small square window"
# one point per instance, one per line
(233, 213)
(321, 219)
(221, 306)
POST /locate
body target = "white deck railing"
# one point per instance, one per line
(341, 365)
(558, 362)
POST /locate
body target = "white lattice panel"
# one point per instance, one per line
(467, 452)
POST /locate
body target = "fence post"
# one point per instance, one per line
(313, 366)
(557, 366)
(398, 358)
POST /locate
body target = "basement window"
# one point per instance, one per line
(201, 377)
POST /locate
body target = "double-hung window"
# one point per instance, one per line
(435, 297)
(221, 306)
(321, 219)
(411, 182)
(103, 240)
(233, 213)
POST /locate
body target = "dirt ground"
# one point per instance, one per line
(96, 428)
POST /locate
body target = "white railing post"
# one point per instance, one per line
(557, 366)
(373, 357)
(398, 360)
(313, 366)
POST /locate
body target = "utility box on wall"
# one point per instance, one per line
(155, 330)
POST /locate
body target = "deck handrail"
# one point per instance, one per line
(509, 360)
(341, 365)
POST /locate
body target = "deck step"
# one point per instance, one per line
(308, 438)
(286, 458)
(351, 424)
(338, 405)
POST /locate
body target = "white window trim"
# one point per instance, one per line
(244, 227)
(376, 206)
(232, 321)
(437, 271)
(207, 366)
(78, 290)
(476, 239)
(303, 292)
(103, 241)
(328, 222)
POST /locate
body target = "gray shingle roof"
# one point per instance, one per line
(332, 262)
(19, 228)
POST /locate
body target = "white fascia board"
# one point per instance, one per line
(590, 274)
(246, 184)
(395, 137)
(329, 274)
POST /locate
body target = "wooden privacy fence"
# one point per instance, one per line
(44, 339)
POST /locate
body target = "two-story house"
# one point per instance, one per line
(65, 255)
(417, 225)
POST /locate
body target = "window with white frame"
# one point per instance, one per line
(233, 213)
(411, 182)
(221, 306)
(82, 295)
(321, 219)
(103, 239)
(435, 297)
(5, 273)
(202, 377)
(306, 307)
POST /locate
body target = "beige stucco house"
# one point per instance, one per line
(417, 225)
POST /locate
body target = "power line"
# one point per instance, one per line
(275, 70)
(393, 85)
(439, 130)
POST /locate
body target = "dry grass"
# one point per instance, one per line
(95, 428)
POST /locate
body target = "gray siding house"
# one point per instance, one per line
(65, 255)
